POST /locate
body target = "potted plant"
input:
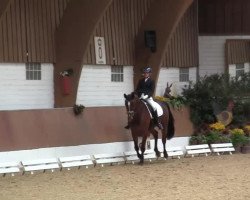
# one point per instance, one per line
(246, 147)
(238, 138)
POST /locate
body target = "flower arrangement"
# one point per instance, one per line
(218, 126)
(67, 72)
(78, 109)
(236, 131)
(247, 127)
(238, 137)
(161, 98)
(175, 102)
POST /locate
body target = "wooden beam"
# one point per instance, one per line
(163, 17)
(3, 6)
(72, 38)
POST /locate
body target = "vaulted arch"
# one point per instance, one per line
(163, 17)
(72, 38)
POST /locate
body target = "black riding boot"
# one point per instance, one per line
(157, 121)
(127, 127)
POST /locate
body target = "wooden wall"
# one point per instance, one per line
(119, 26)
(27, 30)
(32, 129)
(182, 51)
(224, 17)
(237, 51)
(27, 33)
(121, 23)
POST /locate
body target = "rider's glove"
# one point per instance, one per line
(143, 96)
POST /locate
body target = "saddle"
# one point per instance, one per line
(153, 113)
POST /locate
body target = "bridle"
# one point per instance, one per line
(130, 112)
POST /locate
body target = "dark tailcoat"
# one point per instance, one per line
(147, 87)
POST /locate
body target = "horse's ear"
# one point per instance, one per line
(171, 85)
(125, 96)
(167, 84)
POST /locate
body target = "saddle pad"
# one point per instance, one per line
(156, 106)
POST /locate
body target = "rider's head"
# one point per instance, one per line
(147, 71)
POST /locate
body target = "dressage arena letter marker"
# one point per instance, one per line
(100, 54)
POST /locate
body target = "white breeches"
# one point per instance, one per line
(155, 106)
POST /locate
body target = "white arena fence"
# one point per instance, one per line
(95, 160)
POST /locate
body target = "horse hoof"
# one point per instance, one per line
(141, 162)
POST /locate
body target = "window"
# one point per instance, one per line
(116, 73)
(33, 71)
(240, 69)
(184, 75)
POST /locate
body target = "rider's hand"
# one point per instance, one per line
(144, 96)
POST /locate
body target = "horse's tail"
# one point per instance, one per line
(170, 129)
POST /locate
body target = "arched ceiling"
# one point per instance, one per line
(172, 12)
(78, 23)
(72, 38)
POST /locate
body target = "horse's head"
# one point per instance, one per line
(131, 101)
(129, 97)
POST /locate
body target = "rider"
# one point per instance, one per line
(145, 89)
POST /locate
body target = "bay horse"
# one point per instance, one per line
(142, 125)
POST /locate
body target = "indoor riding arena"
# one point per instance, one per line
(212, 177)
(71, 120)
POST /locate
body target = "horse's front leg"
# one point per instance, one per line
(136, 146)
(143, 148)
(155, 134)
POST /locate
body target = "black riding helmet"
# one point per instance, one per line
(147, 69)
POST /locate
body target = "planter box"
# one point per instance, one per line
(245, 149)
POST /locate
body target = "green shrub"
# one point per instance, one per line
(213, 137)
(198, 139)
(239, 140)
(219, 90)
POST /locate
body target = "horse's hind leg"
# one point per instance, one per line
(164, 140)
(155, 134)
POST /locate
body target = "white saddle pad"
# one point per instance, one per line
(155, 106)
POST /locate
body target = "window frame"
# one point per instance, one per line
(33, 71)
(239, 71)
(117, 73)
(184, 76)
